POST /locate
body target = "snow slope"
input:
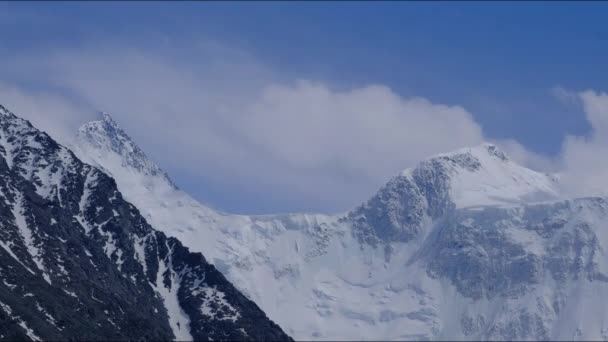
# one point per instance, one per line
(467, 245)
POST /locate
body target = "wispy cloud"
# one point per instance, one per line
(565, 96)
(584, 162)
(234, 122)
(218, 114)
(215, 115)
(54, 113)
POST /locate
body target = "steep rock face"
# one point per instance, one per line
(79, 262)
(466, 245)
(501, 251)
(396, 213)
(533, 267)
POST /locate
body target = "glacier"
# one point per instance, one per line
(466, 245)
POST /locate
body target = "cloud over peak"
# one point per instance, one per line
(225, 122)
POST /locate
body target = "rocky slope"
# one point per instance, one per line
(79, 262)
(467, 245)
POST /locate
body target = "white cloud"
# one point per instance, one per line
(565, 96)
(221, 116)
(369, 129)
(48, 111)
(584, 161)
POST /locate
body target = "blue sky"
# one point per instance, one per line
(498, 60)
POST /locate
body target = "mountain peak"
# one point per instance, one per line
(105, 124)
(480, 152)
(472, 177)
(495, 151)
(3, 110)
(104, 132)
(489, 149)
(6, 113)
(105, 137)
(483, 175)
(107, 118)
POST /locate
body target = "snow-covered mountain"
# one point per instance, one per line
(78, 262)
(467, 245)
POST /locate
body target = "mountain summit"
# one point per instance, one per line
(106, 140)
(484, 175)
(470, 177)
